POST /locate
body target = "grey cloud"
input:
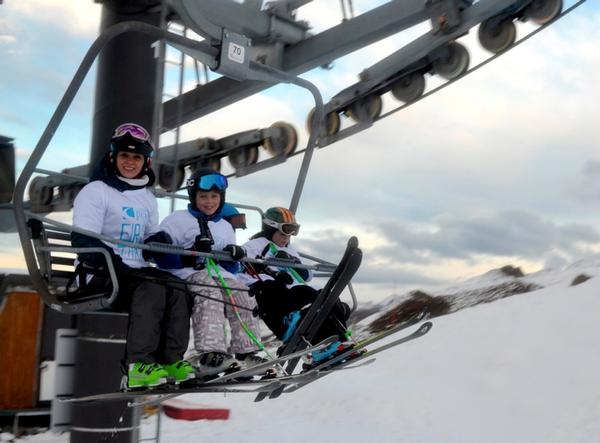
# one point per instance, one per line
(327, 244)
(587, 186)
(378, 274)
(511, 233)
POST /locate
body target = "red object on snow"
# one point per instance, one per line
(186, 410)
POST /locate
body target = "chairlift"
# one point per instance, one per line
(46, 243)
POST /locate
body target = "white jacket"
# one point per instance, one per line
(128, 215)
(183, 229)
(254, 249)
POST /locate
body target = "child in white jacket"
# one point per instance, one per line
(202, 227)
(282, 295)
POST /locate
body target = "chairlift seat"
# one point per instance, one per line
(56, 260)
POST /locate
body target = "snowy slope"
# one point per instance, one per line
(521, 369)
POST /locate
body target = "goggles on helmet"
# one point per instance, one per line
(284, 228)
(135, 130)
(208, 182)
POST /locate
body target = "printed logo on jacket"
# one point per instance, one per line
(133, 221)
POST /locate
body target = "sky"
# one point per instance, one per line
(522, 369)
(501, 167)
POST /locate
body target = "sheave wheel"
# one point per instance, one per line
(454, 63)
(368, 107)
(543, 11)
(284, 144)
(332, 122)
(211, 162)
(243, 157)
(496, 36)
(165, 177)
(409, 88)
(38, 193)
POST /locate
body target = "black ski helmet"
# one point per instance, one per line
(131, 137)
(206, 179)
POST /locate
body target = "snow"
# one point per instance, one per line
(521, 369)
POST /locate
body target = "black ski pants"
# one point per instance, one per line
(275, 301)
(159, 317)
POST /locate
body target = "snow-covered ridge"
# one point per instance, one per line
(488, 287)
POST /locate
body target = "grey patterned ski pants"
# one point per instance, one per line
(209, 316)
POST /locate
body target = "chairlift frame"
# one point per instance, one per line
(36, 255)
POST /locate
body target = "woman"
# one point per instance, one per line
(118, 203)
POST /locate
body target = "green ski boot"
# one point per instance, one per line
(146, 374)
(180, 370)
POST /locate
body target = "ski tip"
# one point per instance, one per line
(425, 327)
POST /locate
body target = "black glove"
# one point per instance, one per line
(159, 237)
(284, 278)
(303, 273)
(203, 244)
(285, 256)
(259, 268)
(95, 267)
(237, 252)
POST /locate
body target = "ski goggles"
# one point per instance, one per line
(208, 182)
(136, 131)
(284, 228)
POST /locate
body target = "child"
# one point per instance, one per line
(118, 203)
(281, 293)
(202, 227)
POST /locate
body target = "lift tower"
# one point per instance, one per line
(125, 91)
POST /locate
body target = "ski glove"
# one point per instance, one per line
(303, 273)
(237, 252)
(159, 237)
(284, 278)
(100, 269)
(285, 256)
(203, 244)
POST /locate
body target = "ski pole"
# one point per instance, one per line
(289, 269)
(299, 279)
(212, 268)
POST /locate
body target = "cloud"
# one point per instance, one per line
(586, 186)
(76, 17)
(508, 233)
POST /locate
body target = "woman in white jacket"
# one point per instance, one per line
(118, 203)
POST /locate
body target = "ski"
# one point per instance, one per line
(346, 361)
(416, 318)
(291, 383)
(224, 383)
(321, 307)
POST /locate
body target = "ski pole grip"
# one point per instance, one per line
(205, 234)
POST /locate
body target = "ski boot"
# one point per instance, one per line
(180, 371)
(251, 359)
(210, 364)
(328, 353)
(140, 375)
(290, 322)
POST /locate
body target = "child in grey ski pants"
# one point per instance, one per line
(209, 316)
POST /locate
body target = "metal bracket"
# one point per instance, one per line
(444, 15)
(234, 59)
